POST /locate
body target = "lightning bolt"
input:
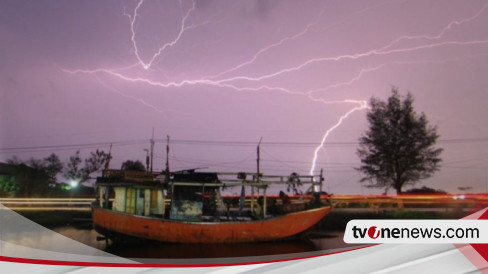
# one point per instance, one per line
(362, 72)
(220, 83)
(290, 38)
(442, 31)
(269, 47)
(131, 97)
(352, 57)
(346, 83)
(363, 105)
(183, 28)
(381, 51)
(242, 83)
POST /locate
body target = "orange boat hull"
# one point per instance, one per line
(206, 232)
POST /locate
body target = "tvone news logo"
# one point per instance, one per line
(373, 232)
(416, 231)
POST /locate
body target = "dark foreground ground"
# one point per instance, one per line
(327, 235)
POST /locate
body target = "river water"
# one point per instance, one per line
(324, 241)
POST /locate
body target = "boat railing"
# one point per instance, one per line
(231, 182)
(293, 181)
(251, 179)
(281, 177)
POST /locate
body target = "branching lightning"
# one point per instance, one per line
(362, 105)
(269, 47)
(243, 83)
(441, 33)
(183, 28)
(130, 97)
(352, 57)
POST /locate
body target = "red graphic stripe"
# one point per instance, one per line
(99, 264)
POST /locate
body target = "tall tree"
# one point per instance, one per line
(398, 148)
(53, 166)
(95, 162)
(92, 164)
(73, 170)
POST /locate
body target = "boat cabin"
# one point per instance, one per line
(196, 196)
(131, 192)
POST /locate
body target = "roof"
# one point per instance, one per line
(192, 176)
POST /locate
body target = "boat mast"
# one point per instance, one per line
(257, 175)
(258, 162)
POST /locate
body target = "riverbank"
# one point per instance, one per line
(57, 218)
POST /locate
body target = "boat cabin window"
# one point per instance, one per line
(130, 203)
(187, 203)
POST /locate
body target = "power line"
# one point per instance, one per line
(72, 146)
(209, 143)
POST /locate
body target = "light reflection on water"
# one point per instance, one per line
(331, 240)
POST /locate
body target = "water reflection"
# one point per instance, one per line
(330, 240)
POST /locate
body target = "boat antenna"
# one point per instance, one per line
(167, 158)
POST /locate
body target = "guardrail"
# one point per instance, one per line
(343, 201)
(33, 204)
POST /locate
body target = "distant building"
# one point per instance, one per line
(6, 175)
(20, 179)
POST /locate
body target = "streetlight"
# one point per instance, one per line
(73, 183)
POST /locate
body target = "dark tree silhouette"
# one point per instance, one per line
(95, 162)
(73, 169)
(26, 178)
(133, 165)
(53, 166)
(398, 148)
(92, 164)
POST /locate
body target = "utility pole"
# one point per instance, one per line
(147, 159)
(167, 158)
(109, 157)
(258, 160)
(152, 149)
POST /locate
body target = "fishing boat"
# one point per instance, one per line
(188, 206)
(190, 209)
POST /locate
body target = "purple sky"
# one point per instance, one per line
(89, 73)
